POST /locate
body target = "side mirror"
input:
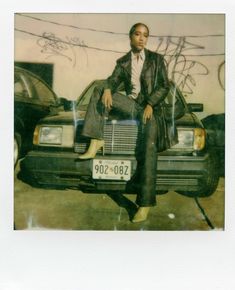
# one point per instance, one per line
(67, 104)
(195, 107)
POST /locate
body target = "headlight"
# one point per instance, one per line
(50, 135)
(54, 136)
(190, 139)
(185, 139)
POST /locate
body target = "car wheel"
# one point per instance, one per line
(17, 146)
(209, 184)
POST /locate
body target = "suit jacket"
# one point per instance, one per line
(154, 89)
(154, 81)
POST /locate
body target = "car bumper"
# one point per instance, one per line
(178, 173)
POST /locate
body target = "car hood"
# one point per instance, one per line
(189, 120)
(77, 117)
(64, 118)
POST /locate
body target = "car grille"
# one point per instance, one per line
(119, 139)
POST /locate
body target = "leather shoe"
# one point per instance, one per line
(95, 145)
(141, 215)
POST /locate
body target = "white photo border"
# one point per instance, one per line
(54, 260)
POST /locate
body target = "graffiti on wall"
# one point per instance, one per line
(180, 52)
(221, 75)
(182, 68)
(52, 45)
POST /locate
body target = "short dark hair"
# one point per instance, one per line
(133, 28)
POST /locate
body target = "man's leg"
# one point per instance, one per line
(126, 105)
(147, 164)
(94, 120)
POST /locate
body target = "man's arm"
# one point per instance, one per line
(115, 79)
(107, 99)
(111, 85)
(148, 113)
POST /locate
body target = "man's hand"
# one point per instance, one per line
(148, 113)
(107, 98)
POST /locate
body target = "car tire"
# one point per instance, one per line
(17, 148)
(210, 183)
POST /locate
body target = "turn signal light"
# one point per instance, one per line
(36, 136)
(199, 138)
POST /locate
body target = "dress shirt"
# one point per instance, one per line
(137, 61)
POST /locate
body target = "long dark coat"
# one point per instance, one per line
(154, 89)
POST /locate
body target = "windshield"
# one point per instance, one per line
(84, 99)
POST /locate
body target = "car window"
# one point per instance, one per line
(44, 93)
(175, 97)
(85, 98)
(20, 87)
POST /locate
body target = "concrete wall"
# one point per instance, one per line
(84, 47)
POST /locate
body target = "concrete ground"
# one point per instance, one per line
(49, 209)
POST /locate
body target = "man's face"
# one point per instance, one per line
(139, 38)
